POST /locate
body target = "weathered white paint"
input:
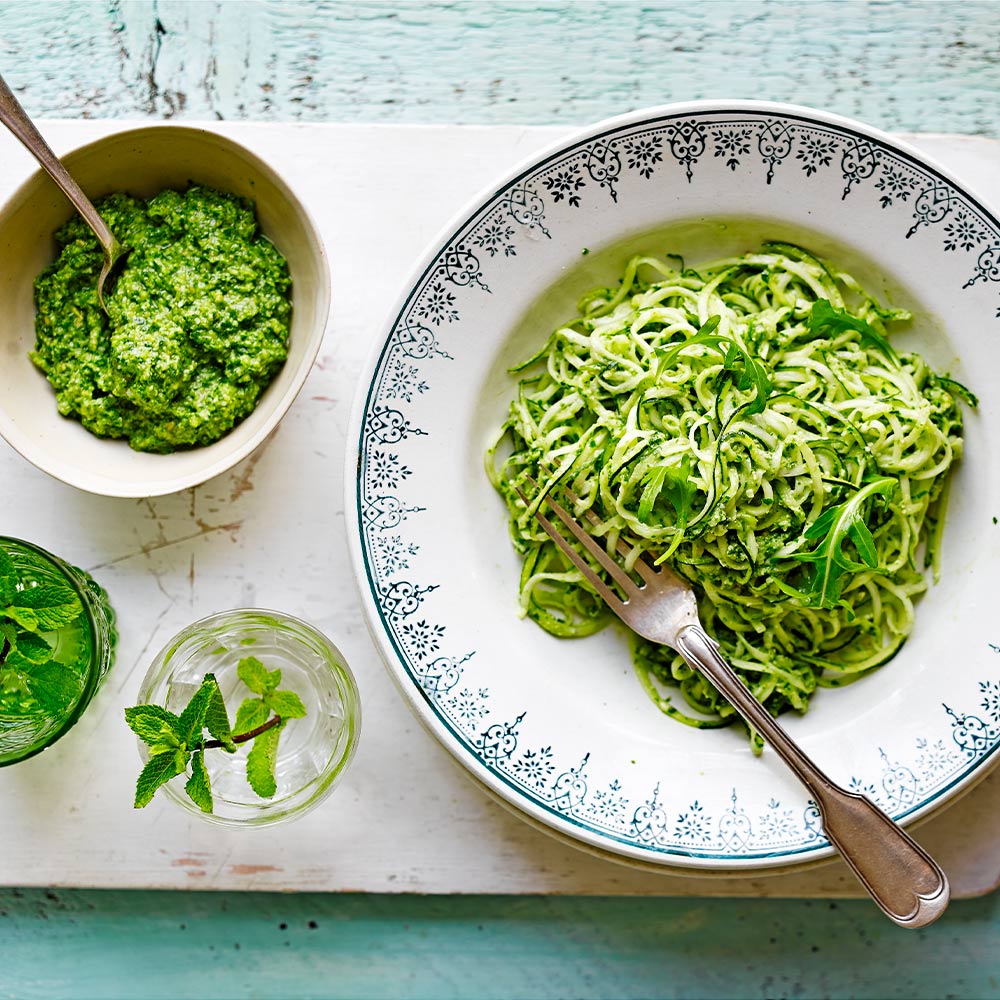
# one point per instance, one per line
(271, 533)
(902, 65)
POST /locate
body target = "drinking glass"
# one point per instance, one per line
(313, 751)
(82, 653)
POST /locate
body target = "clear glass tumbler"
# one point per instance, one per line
(40, 701)
(313, 751)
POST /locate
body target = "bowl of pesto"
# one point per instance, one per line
(210, 328)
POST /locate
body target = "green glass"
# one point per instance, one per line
(84, 648)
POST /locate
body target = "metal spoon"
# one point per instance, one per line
(16, 119)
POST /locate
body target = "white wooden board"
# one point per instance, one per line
(272, 534)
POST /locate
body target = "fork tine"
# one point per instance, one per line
(589, 543)
(603, 590)
(647, 572)
(594, 547)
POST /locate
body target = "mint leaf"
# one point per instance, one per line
(192, 719)
(53, 686)
(217, 718)
(16, 674)
(8, 579)
(155, 726)
(159, 769)
(251, 714)
(32, 647)
(287, 704)
(24, 617)
(199, 787)
(256, 676)
(54, 605)
(261, 760)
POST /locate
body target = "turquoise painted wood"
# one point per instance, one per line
(174, 946)
(903, 66)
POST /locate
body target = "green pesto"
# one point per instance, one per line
(197, 322)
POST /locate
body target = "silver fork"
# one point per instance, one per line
(905, 882)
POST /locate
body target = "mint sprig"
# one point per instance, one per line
(177, 743)
(28, 616)
(284, 704)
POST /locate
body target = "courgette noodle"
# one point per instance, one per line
(748, 423)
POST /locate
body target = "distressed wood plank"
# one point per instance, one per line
(905, 65)
(120, 946)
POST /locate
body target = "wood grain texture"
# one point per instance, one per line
(172, 946)
(904, 65)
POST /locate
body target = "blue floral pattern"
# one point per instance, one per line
(519, 218)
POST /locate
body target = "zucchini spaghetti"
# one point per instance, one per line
(749, 423)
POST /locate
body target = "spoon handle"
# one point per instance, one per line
(16, 119)
(901, 877)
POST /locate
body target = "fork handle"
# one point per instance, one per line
(905, 882)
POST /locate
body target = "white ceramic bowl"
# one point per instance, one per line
(561, 730)
(143, 162)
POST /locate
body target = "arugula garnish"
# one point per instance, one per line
(177, 742)
(827, 320)
(835, 526)
(674, 482)
(669, 353)
(28, 615)
(747, 370)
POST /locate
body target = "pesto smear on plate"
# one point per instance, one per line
(197, 322)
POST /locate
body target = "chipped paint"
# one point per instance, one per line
(252, 869)
(906, 65)
(242, 475)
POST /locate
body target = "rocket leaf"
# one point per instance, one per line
(835, 526)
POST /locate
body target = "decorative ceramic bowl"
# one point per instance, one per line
(143, 162)
(561, 730)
